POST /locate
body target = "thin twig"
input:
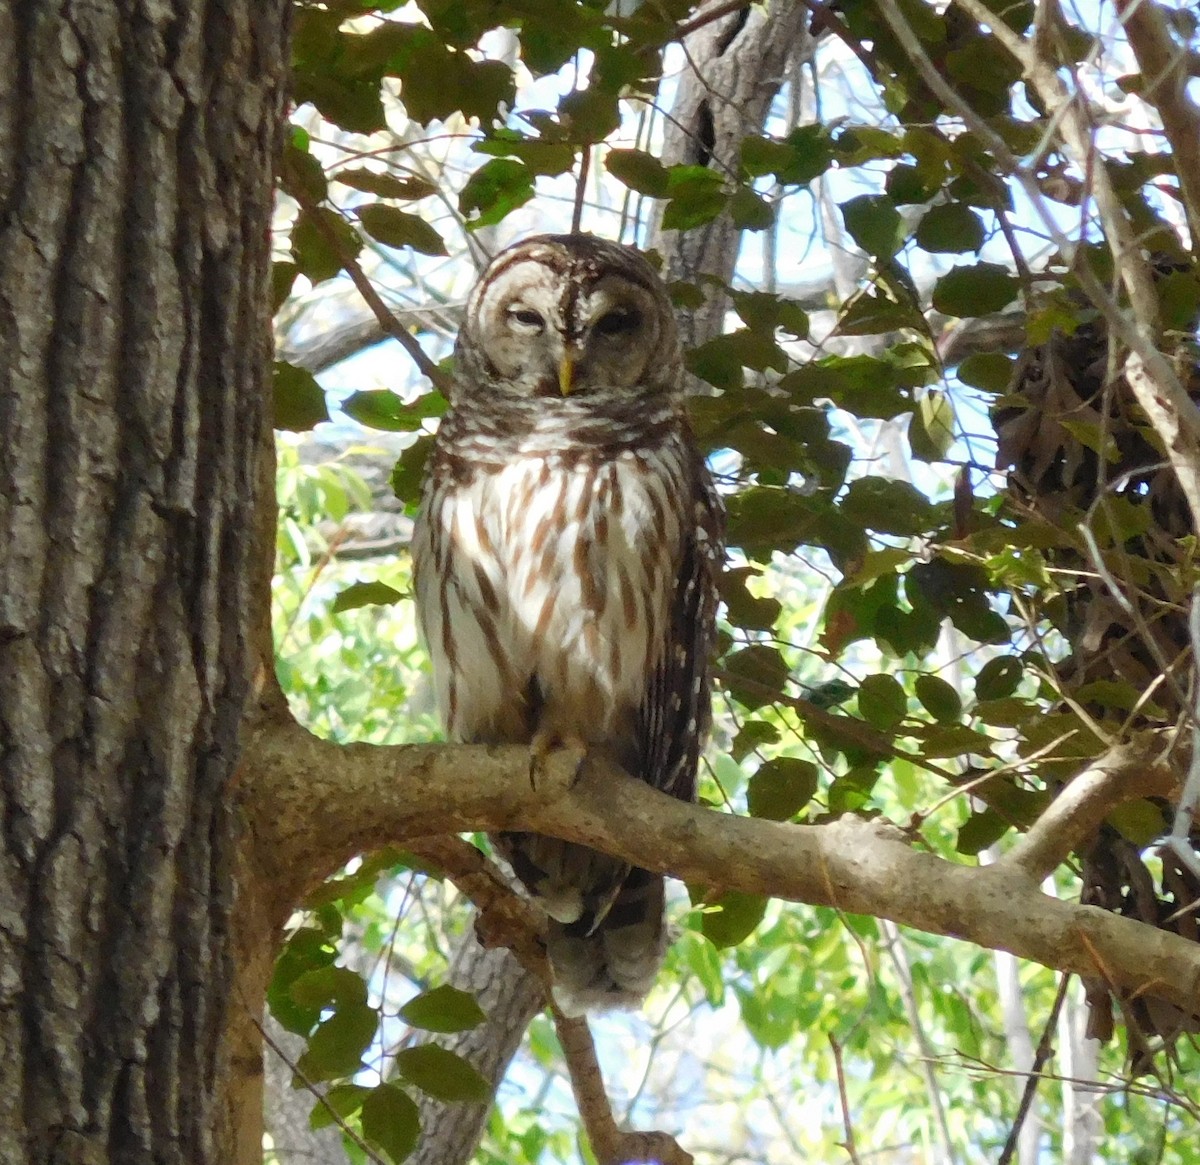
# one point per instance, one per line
(317, 1095)
(847, 1124)
(1044, 1051)
(585, 163)
(382, 312)
(894, 945)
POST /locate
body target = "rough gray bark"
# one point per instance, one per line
(137, 147)
(511, 996)
(736, 66)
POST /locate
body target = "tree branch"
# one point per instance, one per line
(611, 1144)
(310, 805)
(387, 321)
(1150, 374)
(1164, 66)
(1117, 776)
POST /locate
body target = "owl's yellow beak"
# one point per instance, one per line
(566, 373)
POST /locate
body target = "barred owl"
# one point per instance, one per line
(565, 560)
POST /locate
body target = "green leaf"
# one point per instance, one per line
(939, 699)
(949, 229)
(752, 612)
(444, 1009)
(874, 224)
(781, 788)
(750, 210)
(382, 409)
(979, 831)
(756, 675)
(391, 1121)
(1138, 821)
(999, 677)
(762, 155)
(353, 103)
(697, 197)
(299, 399)
(811, 155)
(987, 371)
(734, 918)
(540, 155)
(1179, 297)
(763, 312)
(882, 701)
(753, 734)
(365, 594)
(590, 114)
(283, 276)
(495, 190)
(931, 433)
(328, 985)
(409, 473)
(336, 1048)
(313, 239)
(975, 291)
(307, 950)
(301, 175)
(829, 694)
(343, 1099)
(442, 1074)
(397, 228)
(408, 189)
(888, 506)
(639, 171)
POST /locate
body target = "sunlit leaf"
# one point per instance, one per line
(441, 1073)
(365, 594)
(443, 1009)
(733, 918)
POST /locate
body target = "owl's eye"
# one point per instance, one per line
(526, 318)
(615, 323)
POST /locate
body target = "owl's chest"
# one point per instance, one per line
(568, 566)
(590, 530)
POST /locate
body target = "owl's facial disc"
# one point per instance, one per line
(555, 319)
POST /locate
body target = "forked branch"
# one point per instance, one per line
(311, 804)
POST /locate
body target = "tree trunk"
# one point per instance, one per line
(137, 151)
(511, 996)
(736, 66)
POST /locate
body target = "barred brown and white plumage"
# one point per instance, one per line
(565, 560)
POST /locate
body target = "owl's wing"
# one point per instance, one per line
(676, 712)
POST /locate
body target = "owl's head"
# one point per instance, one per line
(569, 316)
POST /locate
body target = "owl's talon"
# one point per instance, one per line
(543, 747)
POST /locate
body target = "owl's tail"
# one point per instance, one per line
(612, 963)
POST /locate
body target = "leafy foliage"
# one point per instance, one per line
(901, 628)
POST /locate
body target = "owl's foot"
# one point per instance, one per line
(544, 745)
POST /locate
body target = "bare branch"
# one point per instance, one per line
(1164, 65)
(1045, 1049)
(310, 804)
(1119, 775)
(383, 313)
(847, 1123)
(611, 1144)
